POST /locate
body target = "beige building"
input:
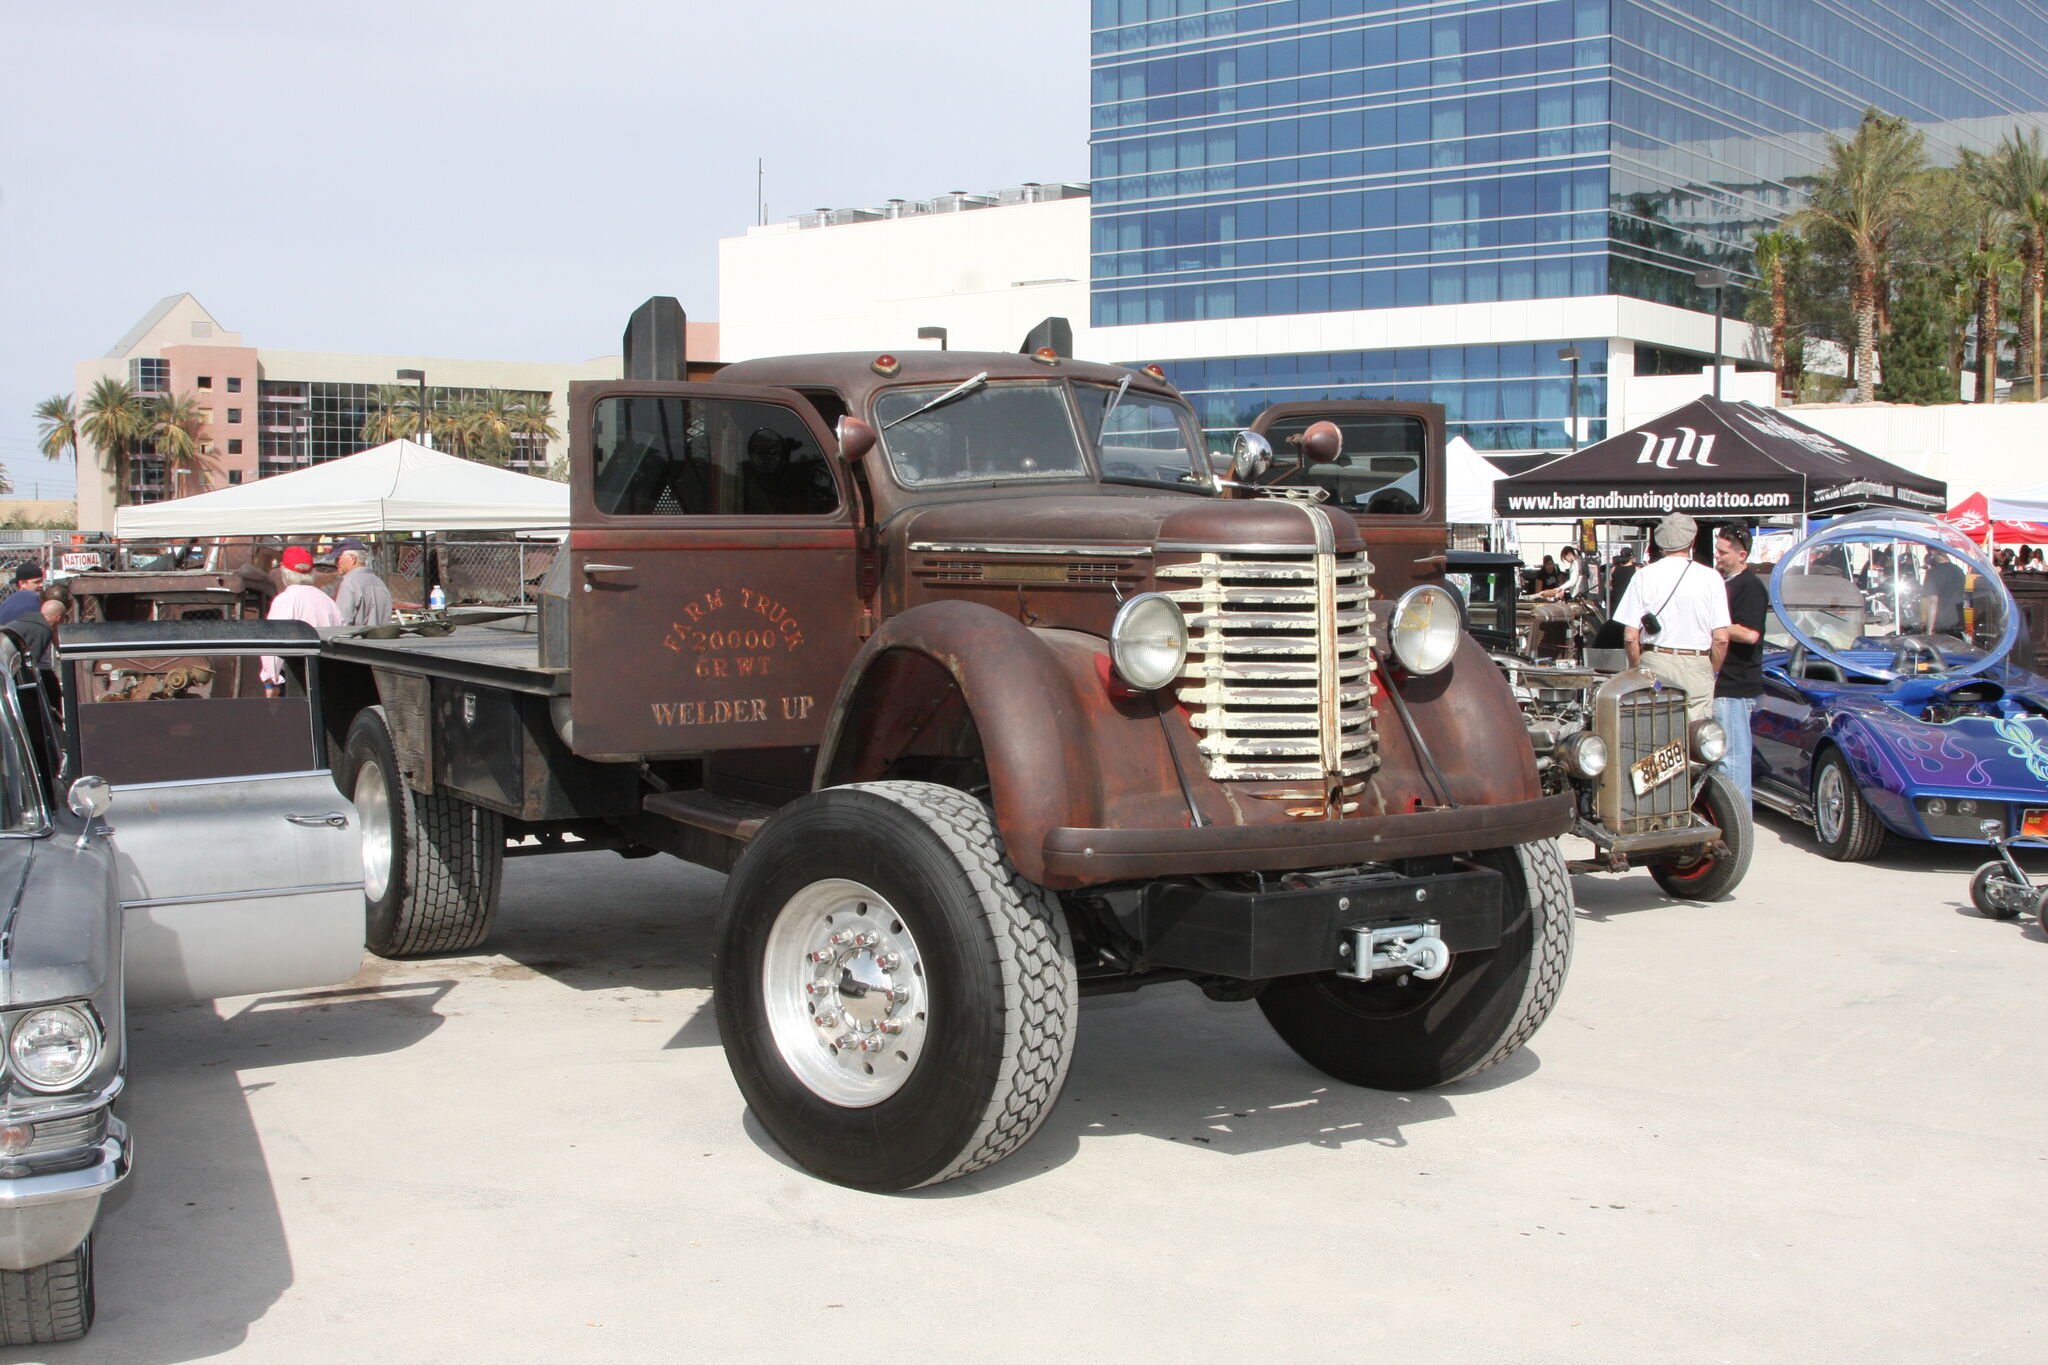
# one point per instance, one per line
(272, 411)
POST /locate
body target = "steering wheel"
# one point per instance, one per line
(1911, 651)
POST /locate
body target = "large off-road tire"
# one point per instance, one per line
(47, 1302)
(1393, 1036)
(1848, 829)
(1709, 877)
(897, 1004)
(431, 864)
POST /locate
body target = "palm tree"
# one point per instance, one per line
(1864, 196)
(59, 431)
(534, 426)
(394, 413)
(2015, 179)
(455, 426)
(174, 422)
(114, 420)
(1776, 253)
(494, 422)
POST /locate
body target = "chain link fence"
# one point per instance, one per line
(492, 573)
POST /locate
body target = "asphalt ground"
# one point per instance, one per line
(1802, 1124)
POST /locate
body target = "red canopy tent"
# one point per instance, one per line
(1972, 517)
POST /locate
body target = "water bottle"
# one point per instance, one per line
(437, 599)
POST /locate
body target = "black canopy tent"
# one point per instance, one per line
(1715, 459)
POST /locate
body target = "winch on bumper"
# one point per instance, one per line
(1389, 922)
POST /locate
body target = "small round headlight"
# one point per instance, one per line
(1148, 641)
(1966, 808)
(1583, 755)
(1937, 806)
(1250, 456)
(52, 1048)
(1425, 629)
(1709, 741)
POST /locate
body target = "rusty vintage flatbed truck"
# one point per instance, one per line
(989, 693)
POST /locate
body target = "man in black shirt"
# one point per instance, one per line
(1618, 577)
(1741, 679)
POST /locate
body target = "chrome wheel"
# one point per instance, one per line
(845, 992)
(373, 808)
(1830, 800)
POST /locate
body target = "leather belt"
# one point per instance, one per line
(1698, 653)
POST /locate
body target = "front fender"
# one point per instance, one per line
(1026, 692)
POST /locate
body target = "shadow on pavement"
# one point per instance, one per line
(654, 934)
(190, 1249)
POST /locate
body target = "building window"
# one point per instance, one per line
(206, 415)
(234, 475)
(234, 384)
(205, 381)
(149, 374)
(234, 445)
(234, 416)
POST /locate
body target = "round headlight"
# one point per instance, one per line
(1148, 641)
(1250, 456)
(1583, 755)
(52, 1048)
(1966, 808)
(1425, 630)
(1937, 806)
(1709, 741)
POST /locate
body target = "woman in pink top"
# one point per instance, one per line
(300, 601)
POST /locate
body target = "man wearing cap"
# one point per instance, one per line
(27, 597)
(1674, 617)
(299, 601)
(361, 595)
(1741, 680)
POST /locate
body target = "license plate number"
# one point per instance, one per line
(1646, 774)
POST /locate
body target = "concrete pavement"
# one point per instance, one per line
(1805, 1124)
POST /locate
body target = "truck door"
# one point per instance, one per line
(1390, 478)
(714, 574)
(238, 865)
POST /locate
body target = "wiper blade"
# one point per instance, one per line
(1123, 386)
(964, 387)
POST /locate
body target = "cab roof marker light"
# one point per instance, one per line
(885, 365)
(1046, 355)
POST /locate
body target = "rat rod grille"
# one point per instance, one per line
(1645, 722)
(1278, 680)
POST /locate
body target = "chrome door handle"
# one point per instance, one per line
(607, 568)
(334, 819)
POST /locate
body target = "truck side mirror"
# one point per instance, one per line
(1322, 442)
(856, 439)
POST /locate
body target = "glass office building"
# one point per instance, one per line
(1308, 159)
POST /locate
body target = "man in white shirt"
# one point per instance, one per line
(1689, 606)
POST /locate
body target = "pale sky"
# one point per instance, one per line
(502, 181)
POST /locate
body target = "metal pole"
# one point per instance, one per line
(1571, 354)
(1720, 292)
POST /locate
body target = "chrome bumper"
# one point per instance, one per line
(43, 1217)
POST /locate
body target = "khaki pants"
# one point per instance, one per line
(1692, 672)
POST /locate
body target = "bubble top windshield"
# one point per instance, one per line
(1889, 595)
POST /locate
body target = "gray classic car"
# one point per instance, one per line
(231, 866)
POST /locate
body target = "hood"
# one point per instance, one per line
(58, 937)
(1095, 523)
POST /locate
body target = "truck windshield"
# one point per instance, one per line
(1145, 439)
(21, 800)
(1002, 431)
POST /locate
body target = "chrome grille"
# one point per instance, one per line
(1647, 721)
(1279, 674)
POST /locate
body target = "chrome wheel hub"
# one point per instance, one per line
(844, 988)
(373, 812)
(1828, 804)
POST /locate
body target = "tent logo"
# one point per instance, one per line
(1673, 449)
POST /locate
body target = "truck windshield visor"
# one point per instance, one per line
(1000, 432)
(1893, 594)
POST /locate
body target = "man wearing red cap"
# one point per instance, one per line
(300, 601)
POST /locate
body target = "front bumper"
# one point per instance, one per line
(1255, 935)
(1082, 857)
(43, 1217)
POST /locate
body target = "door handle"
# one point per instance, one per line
(334, 819)
(607, 568)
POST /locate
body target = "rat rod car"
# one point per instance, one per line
(1647, 791)
(1890, 702)
(168, 723)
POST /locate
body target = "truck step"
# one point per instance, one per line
(724, 815)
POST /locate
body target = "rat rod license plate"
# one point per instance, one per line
(1658, 768)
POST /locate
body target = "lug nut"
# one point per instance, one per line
(873, 1044)
(817, 988)
(826, 1018)
(845, 1042)
(900, 994)
(888, 962)
(892, 1026)
(819, 956)
(841, 939)
(863, 940)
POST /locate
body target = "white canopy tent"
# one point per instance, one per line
(1469, 480)
(2019, 504)
(398, 486)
